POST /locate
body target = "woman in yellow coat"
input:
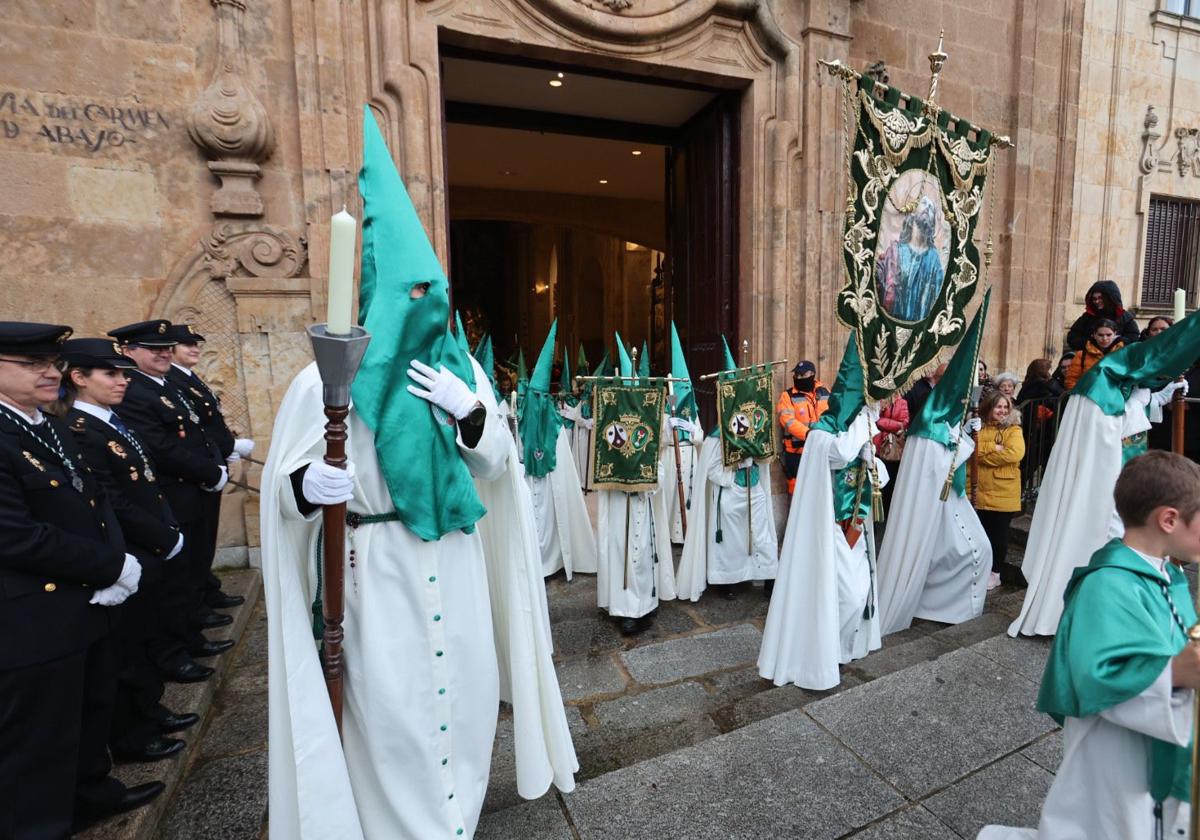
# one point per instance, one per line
(996, 479)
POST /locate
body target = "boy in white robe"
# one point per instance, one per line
(1122, 674)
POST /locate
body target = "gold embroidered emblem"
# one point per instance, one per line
(36, 463)
(117, 449)
(79, 425)
(167, 402)
(162, 328)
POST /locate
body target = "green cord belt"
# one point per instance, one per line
(353, 520)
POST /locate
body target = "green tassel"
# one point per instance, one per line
(720, 535)
(318, 611)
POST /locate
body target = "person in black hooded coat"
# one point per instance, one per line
(1103, 301)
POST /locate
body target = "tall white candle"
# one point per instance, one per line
(1180, 304)
(343, 230)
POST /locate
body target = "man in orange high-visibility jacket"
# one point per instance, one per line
(798, 408)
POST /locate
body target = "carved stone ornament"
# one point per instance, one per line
(264, 251)
(1149, 159)
(879, 72)
(611, 5)
(230, 124)
(1188, 156)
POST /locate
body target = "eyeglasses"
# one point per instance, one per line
(40, 365)
(154, 350)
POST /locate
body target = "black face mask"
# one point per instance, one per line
(805, 385)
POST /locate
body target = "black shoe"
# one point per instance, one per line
(188, 672)
(209, 647)
(207, 620)
(156, 750)
(220, 601)
(1011, 575)
(178, 723)
(134, 797)
(646, 622)
(629, 626)
(768, 588)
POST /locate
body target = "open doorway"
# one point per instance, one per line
(606, 201)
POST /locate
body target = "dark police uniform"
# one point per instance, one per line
(151, 627)
(59, 543)
(194, 392)
(188, 462)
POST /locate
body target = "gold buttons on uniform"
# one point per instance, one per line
(50, 587)
(54, 482)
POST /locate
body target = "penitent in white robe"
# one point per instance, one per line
(1074, 510)
(581, 443)
(935, 557)
(565, 535)
(685, 475)
(435, 636)
(650, 563)
(731, 560)
(819, 616)
(1102, 788)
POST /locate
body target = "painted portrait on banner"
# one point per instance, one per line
(913, 247)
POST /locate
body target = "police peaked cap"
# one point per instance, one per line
(184, 334)
(155, 333)
(95, 353)
(21, 338)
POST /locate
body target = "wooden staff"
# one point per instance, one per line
(333, 605)
(749, 498)
(1178, 420)
(672, 399)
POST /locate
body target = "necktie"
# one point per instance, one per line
(118, 424)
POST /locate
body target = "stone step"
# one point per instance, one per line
(931, 751)
(145, 823)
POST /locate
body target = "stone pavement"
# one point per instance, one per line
(678, 737)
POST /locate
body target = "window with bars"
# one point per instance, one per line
(1188, 8)
(1172, 250)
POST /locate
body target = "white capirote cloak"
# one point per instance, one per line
(1075, 507)
(704, 560)
(815, 621)
(581, 443)
(435, 636)
(935, 557)
(1102, 789)
(564, 530)
(674, 476)
(651, 564)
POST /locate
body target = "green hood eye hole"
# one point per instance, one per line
(419, 290)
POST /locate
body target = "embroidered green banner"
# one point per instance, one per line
(915, 182)
(626, 444)
(745, 411)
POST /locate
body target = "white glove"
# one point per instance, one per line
(681, 423)
(233, 458)
(1167, 394)
(220, 485)
(566, 413)
(867, 453)
(326, 485)
(242, 447)
(745, 463)
(131, 573)
(442, 388)
(110, 596)
(178, 547)
(586, 422)
(974, 425)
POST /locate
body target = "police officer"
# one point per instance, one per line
(63, 567)
(189, 467)
(186, 355)
(151, 624)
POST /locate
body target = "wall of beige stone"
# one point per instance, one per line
(1135, 56)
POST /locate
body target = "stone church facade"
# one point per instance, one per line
(181, 158)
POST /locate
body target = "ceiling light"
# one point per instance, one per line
(560, 75)
(603, 180)
(508, 172)
(636, 152)
(555, 83)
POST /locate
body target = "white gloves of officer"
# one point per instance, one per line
(242, 447)
(326, 485)
(178, 547)
(442, 388)
(220, 485)
(126, 584)
(973, 425)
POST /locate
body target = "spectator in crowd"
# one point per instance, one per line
(985, 378)
(1039, 383)
(1157, 324)
(889, 442)
(797, 409)
(995, 477)
(1006, 383)
(921, 389)
(1104, 340)
(1103, 304)
(1060, 373)
(1038, 404)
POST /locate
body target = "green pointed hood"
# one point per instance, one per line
(846, 397)
(460, 334)
(581, 362)
(565, 384)
(539, 418)
(644, 362)
(486, 356)
(416, 444)
(1142, 364)
(948, 401)
(585, 396)
(624, 363)
(730, 364)
(685, 396)
(522, 371)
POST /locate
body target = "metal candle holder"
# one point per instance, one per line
(338, 358)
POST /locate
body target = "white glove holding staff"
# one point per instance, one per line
(326, 485)
(973, 425)
(442, 388)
